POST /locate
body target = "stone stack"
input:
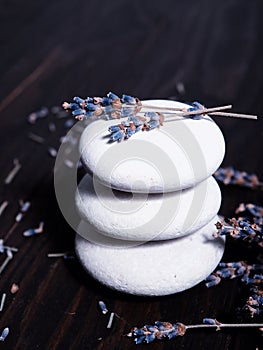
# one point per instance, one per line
(149, 205)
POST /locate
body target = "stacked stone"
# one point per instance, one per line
(149, 205)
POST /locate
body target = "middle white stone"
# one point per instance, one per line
(147, 217)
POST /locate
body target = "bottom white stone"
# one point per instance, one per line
(154, 268)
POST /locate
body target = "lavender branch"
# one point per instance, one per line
(231, 176)
(162, 330)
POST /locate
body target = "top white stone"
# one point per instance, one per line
(178, 155)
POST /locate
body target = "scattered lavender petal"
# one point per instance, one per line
(34, 231)
(103, 307)
(25, 206)
(19, 217)
(52, 152)
(4, 334)
(231, 176)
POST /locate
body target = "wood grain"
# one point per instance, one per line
(52, 51)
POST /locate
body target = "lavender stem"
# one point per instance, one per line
(225, 325)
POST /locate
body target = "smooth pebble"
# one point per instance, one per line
(154, 268)
(142, 217)
(180, 154)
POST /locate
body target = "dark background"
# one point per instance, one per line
(52, 51)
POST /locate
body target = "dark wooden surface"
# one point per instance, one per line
(52, 51)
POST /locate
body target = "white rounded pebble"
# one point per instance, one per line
(179, 154)
(140, 217)
(154, 268)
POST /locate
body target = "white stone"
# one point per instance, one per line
(154, 268)
(140, 217)
(180, 154)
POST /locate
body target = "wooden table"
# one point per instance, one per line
(51, 51)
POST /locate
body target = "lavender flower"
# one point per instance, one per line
(162, 330)
(231, 176)
(129, 99)
(103, 307)
(4, 334)
(112, 106)
(34, 231)
(249, 209)
(41, 113)
(195, 107)
(248, 226)
(159, 330)
(109, 107)
(211, 321)
(250, 274)
(135, 124)
(113, 97)
(247, 229)
(212, 280)
(254, 304)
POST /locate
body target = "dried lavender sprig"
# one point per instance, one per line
(162, 330)
(159, 330)
(112, 106)
(231, 176)
(243, 228)
(249, 274)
